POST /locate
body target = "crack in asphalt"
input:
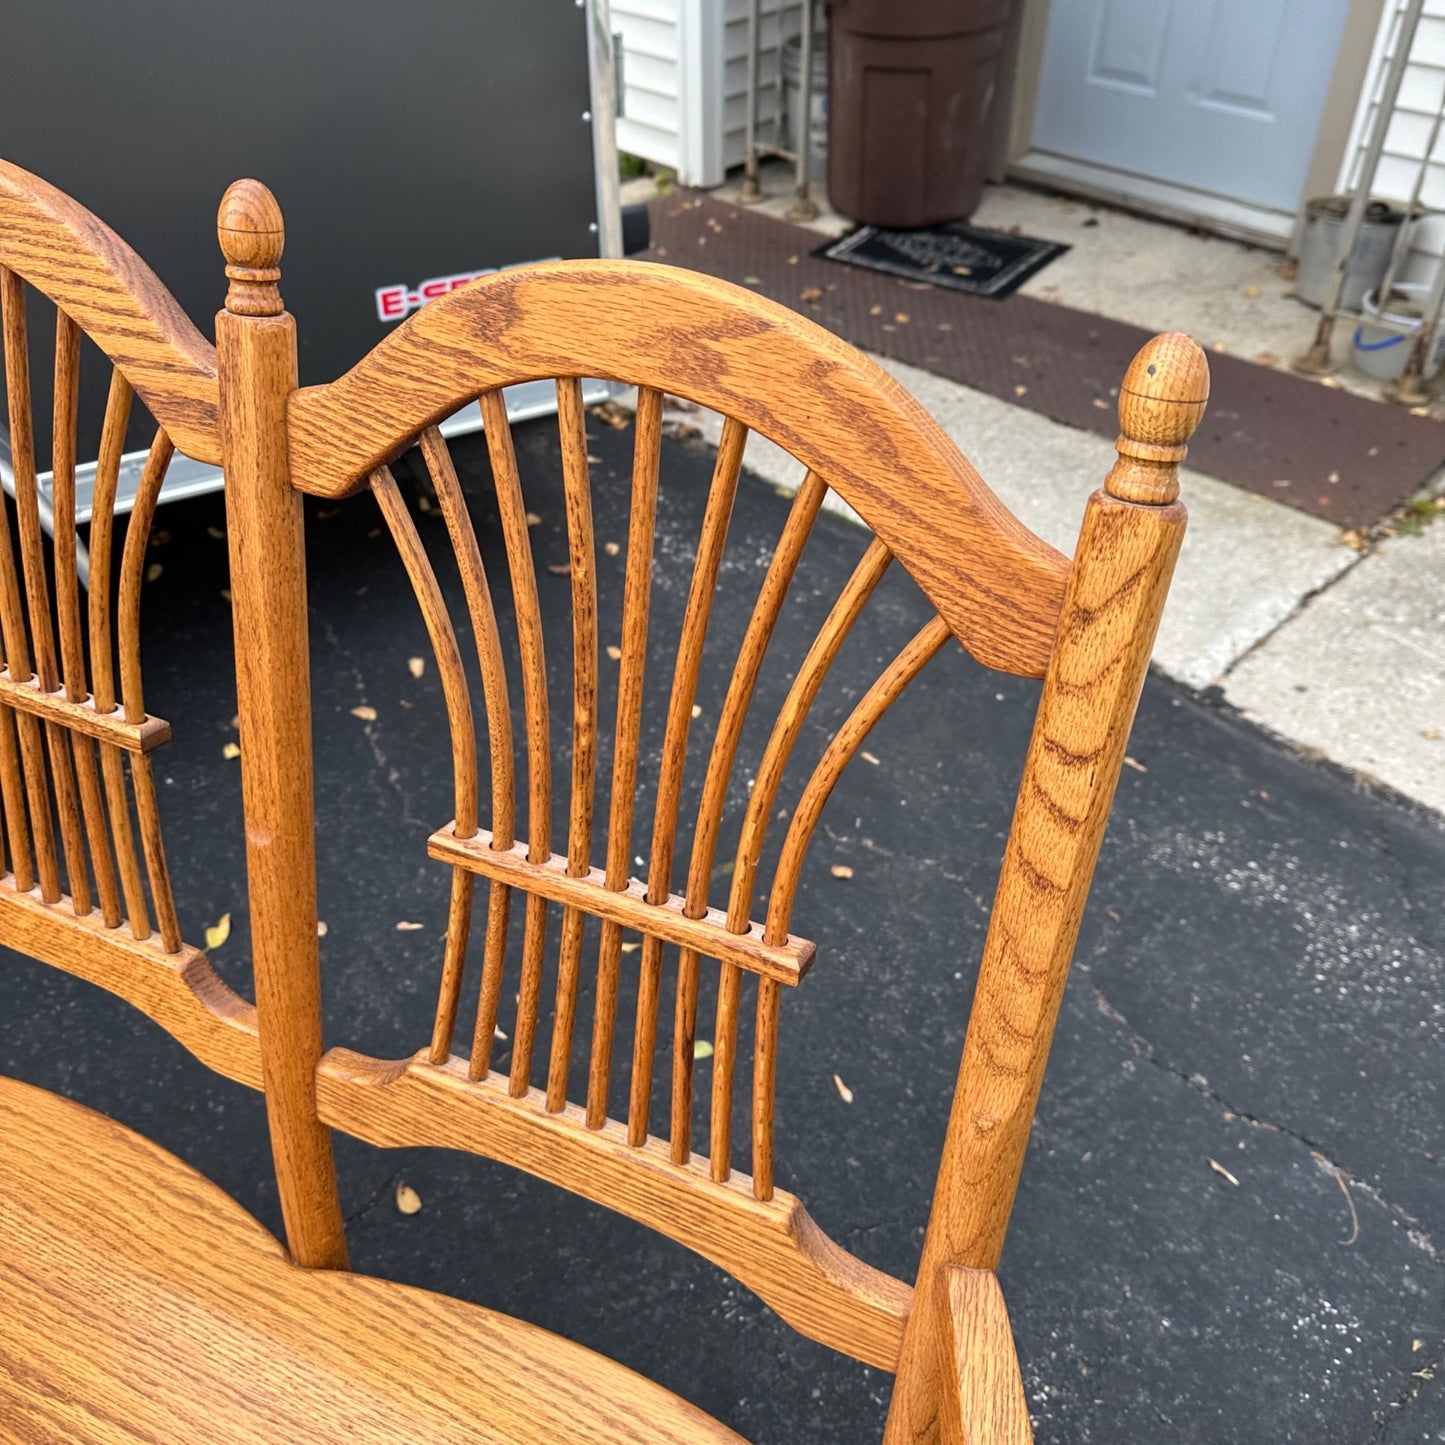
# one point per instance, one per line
(1414, 1230)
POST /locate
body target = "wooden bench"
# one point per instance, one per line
(139, 1302)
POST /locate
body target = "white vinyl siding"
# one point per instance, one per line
(684, 80)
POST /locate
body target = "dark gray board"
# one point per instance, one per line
(403, 142)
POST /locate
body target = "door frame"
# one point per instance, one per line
(1015, 158)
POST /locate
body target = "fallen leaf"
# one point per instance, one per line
(321, 929)
(1266, 358)
(614, 652)
(696, 710)
(216, 532)
(1223, 1173)
(364, 712)
(231, 751)
(1021, 390)
(218, 934)
(962, 270)
(405, 926)
(408, 1201)
(1251, 292)
(752, 280)
(868, 757)
(1101, 403)
(1219, 346)
(1280, 482)
(792, 260)
(841, 870)
(902, 318)
(153, 571)
(631, 947)
(560, 569)
(844, 1092)
(612, 548)
(533, 520)
(610, 413)
(875, 311)
(1414, 411)
(1135, 764)
(1333, 478)
(1431, 735)
(1333, 382)
(811, 293)
(701, 1049)
(416, 666)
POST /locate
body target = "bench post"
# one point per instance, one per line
(1123, 563)
(256, 354)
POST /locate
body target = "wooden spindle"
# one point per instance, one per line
(102, 650)
(831, 636)
(12, 609)
(577, 487)
(68, 608)
(765, 1076)
(132, 575)
(256, 355)
(695, 618)
(921, 649)
(462, 729)
(499, 744)
(636, 598)
(534, 699)
(766, 610)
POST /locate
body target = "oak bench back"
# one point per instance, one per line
(1014, 603)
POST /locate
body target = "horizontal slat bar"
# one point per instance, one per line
(179, 991)
(109, 727)
(773, 1247)
(708, 935)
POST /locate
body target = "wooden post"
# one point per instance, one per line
(256, 354)
(1122, 565)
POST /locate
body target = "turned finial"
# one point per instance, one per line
(252, 237)
(1161, 401)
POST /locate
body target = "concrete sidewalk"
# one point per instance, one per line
(1339, 653)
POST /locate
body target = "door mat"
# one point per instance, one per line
(1321, 449)
(962, 258)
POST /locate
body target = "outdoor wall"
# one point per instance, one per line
(684, 80)
(1408, 137)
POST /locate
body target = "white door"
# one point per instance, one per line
(1222, 97)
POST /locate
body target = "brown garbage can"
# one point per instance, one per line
(911, 87)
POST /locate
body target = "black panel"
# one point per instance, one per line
(403, 142)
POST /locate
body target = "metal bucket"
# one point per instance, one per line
(1320, 248)
(1382, 351)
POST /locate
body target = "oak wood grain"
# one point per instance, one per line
(1123, 563)
(144, 1306)
(983, 1399)
(179, 991)
(264, 530)
(76, 260)
(774, 372)
(667, 920)
(772, 1247)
